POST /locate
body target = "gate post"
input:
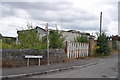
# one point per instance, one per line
(67, 52)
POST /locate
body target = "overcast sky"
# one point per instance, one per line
(82, 15)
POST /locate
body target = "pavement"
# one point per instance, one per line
(43, 69)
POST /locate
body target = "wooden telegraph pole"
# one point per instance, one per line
(100, 22)
(48, 62)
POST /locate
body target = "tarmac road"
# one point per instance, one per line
(33, 69)
(108, 68)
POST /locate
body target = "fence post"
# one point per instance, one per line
(28, 62)
(67, 52)
(78, 50)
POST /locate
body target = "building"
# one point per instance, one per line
(114, 38)
(69, 35)
(9, 40)
(115, 41)
(0, 36)
(40, 32)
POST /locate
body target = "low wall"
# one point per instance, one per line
(92, 45)
(16, 57)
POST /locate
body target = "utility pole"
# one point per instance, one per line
(100, 22)
(47, 30)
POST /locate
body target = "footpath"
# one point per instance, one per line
(33, 70)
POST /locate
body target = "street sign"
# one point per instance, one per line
(31, 56)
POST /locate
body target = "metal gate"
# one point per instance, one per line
(76, 50)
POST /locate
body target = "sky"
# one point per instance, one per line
(81, 15)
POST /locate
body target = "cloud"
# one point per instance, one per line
(112, 28)
(78, 15)
(38, 5)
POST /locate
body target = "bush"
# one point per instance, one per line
(102, 45)
(81, 38)
(28, 39)
(56, 39)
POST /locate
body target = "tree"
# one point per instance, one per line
(56, 39)
(102, 45)
(8, 44)
(82, 38)
(29, 39)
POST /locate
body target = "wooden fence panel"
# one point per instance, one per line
(76, 50)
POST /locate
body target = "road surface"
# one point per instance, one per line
(108, 68)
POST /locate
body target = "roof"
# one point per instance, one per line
(1, 36)
(32, 29)
(115, 37)
(39, 28)
(72, 31)
(9, 37)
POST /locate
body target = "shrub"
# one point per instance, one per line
(102, 45)
(81, 38)
(56, 39)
